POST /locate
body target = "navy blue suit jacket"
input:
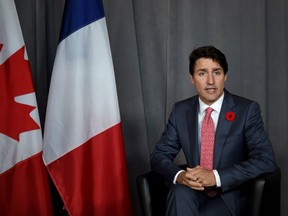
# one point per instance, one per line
(242, 149)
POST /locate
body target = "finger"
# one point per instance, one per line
(191, 177)
(196, 186)
(194, 168)
(199, 180)
(190, 180)
(194, 171)
(199, 167)
(194, 183)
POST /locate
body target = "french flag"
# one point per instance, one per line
(83, 142)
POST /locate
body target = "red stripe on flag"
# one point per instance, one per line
(92, 179)
(26, 188)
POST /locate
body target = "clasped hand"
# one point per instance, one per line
(197, 178)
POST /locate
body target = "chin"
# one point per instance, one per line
(210, 100)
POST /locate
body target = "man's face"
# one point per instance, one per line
(209, 80)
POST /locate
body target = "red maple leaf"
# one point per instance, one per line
(15, 80)
(1, 45)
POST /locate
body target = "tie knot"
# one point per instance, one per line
(209, 111)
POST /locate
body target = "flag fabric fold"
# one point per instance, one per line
(24, 183)
(83, 141)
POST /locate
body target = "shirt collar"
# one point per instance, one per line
(216, 106)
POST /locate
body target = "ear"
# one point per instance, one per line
(192, 79)
(225, 78)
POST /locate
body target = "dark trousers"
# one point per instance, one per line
(184, 201)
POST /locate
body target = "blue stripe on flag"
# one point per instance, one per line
(79, 13)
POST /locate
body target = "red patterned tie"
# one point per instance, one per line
(207, 141)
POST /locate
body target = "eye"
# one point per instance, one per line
(201, 73)
(218, 72)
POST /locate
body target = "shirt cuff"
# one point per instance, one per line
(175, 178)
(217, 177)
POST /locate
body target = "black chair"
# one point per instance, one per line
(265, 194)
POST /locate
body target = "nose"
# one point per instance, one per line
(210, 79)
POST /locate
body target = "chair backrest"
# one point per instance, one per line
(265, 197)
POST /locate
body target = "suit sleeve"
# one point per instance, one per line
(260, 156)
(166, 150)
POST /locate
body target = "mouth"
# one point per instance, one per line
(210, 89)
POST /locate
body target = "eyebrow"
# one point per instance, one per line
(213, 69)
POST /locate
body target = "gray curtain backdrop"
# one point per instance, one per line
(151, 41)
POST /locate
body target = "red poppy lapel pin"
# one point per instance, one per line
(230, 116)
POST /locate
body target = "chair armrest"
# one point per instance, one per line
(152, 192)
(266, 193)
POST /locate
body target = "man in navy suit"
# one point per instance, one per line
(242, 150)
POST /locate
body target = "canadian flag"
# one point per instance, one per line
(24, 185)
(83, 143)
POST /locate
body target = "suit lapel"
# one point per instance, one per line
(223, 127)
(192, 126)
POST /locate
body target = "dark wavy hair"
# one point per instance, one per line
(209, 52)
